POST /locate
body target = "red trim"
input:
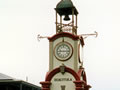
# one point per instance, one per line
(82, 72)
(80, 84)
(87, 87)
(63, 34)
(57, 70)
(45, 84)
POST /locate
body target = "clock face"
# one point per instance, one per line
(63, 51)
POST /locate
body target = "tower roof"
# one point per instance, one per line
(65, 7)
(65, 4)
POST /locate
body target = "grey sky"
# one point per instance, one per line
(22, 55)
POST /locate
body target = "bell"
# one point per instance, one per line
(66, 18)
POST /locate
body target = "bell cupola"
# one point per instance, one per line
(67, 20)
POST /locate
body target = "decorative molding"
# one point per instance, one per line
(81, 73)
(80, 84)
(63, 34)
(57, 70)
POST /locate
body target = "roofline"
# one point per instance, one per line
(18, 81)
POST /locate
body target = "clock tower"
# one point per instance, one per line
(66, 70)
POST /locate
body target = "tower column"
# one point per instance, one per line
(65, 69)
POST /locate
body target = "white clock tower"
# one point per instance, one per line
(65, 66)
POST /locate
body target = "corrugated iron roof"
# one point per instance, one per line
(6, 77)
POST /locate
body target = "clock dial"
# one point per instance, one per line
(63, 51)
